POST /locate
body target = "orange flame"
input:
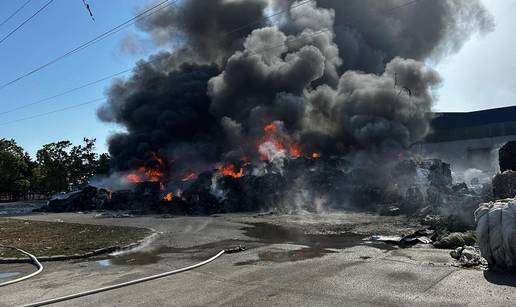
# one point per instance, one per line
(169, 197)
(153, 174)
(316, 155)
(295, 151)
(230, 170)
(189, 177)
(145, 174)
(279, 140)
(270, 128)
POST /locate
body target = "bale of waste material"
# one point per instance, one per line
(455, 239)
(121, 200)
(507, 156)
(504, 185)
(496, 231)
(147, 196)
(89, 198)
(459, 210)
(438, 172)
(414, 199)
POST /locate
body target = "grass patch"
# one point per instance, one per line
(52, 238)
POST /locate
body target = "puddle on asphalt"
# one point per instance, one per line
(143, 257)
(104, 262)
(134, 258)
(315, 245)
(8, 274)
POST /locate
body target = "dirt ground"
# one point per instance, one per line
(58, 238)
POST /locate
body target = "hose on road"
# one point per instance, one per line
(34, 260)
(135, 281)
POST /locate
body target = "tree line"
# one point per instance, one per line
(58, 167)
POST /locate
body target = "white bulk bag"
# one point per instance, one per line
(496, 233)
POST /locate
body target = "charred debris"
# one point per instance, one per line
(311, 184)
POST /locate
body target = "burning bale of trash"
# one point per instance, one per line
(144, 198)
(412, 186)
(89, 198)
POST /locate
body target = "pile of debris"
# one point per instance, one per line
(416, 187)
(422, 187)
(144, 198)
(328, 178)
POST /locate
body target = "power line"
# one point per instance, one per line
(25, 21)
(52, 112)
(15, 12)
(95, 40)
(43, 100)
(127, 70)
(130, 69)
(129, 23)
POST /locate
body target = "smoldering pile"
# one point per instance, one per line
(411, 186)
(342, 81)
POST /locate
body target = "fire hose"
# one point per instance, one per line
(135, 281)
(34, 260)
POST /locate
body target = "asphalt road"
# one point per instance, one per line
(295, 260)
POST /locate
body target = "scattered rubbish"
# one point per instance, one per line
(390, 211)
(468, 256)
(419, 236)
(236, 249)
(115, 215)
(386, 239)
(424, 240)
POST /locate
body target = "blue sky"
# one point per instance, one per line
(480, 76)
(64, 25)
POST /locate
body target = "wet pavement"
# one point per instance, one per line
(8, 274)
(314, 246)
(19, 208)
(303, 260)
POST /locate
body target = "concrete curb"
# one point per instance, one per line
(97, 252)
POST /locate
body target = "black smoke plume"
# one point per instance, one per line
(342, 76)
(164, 113)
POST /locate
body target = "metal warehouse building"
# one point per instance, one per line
(470, 139)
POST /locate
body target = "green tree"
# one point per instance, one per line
(53, 164)
(13, 169)
(103, 164)
(61, 167)
(82, 163)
